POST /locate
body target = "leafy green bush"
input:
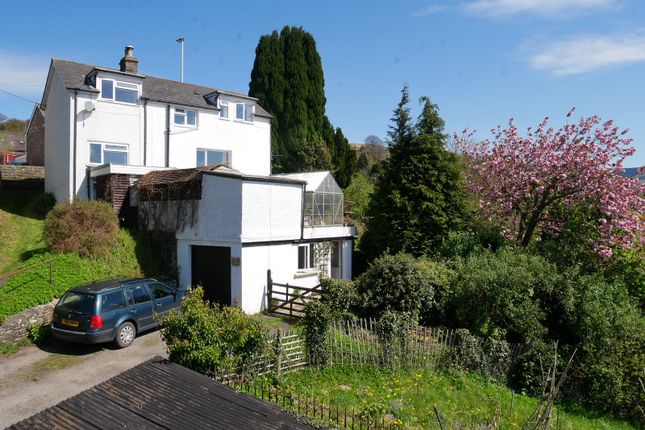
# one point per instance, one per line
(394, 283)
(39, 333)
(501, 290)
(88, 228)
(340, 297)
(393, 331)
(316, 322)
(610, 336)
(489, 357)
(211, 340)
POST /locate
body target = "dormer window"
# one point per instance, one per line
(185, 117)
(239, 111)
(223, 109)
(119, 91)
(243, 112)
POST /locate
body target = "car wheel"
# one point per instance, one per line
(125, 334)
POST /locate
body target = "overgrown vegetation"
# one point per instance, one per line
(212, 340)
(464, 401)
(128, 258)
(88, 228)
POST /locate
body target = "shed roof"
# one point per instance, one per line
(155, 89)
(174, 176)
(159, 394)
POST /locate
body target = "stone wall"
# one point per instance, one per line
(15, 327)
(35, 139)
(22, 177)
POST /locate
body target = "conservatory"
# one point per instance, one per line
(324, 203)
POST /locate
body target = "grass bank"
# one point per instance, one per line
(463, 401)
(22, 215)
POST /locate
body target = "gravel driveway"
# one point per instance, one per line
(36, 378)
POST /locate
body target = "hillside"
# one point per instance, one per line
(22, 215)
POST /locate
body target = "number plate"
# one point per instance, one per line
(71, 323)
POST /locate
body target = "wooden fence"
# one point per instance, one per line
(315, 411)
(289, 300)
(348, 343)
(357, 343)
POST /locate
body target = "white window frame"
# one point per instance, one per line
(223, 103)
(123, 85)
(237, 104)
(229, 156)
(310, 263)
(184, 114)
(103, 145)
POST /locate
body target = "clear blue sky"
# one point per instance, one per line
(481, 61)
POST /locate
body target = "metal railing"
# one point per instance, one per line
(28, 268)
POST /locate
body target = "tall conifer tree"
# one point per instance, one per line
(419, 195)
(288, 80)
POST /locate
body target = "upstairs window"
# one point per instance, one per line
(207, 157)
(185, 117)
(119, 91)
(104, 153)
(223, 109)
(243, 112)
(239, 111)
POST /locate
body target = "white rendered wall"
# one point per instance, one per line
(347, 247)
(271, 211)
(58, 142)
(282, 259)
(123, 123)
(219, 214)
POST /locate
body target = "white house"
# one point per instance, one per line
(107, 128)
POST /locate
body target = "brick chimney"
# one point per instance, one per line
(129, 63)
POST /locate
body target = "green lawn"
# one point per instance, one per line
(21, 225)
(463, 401)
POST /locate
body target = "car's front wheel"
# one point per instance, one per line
(125, 334)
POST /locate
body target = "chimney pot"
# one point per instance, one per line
(129, 63)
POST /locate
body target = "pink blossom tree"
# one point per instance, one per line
(520, 179)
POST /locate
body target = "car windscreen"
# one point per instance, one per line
(77, 302)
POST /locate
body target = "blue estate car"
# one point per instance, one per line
(114, 310)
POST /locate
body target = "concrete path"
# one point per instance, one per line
(36, 378)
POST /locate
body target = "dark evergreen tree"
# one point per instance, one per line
(288, 81)
(419, 196)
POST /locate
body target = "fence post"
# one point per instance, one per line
(278, 358)
(269, 291)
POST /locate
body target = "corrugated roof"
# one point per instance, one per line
(156, 89)
(159, 394)
(185, 175)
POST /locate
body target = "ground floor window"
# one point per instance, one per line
(104, 153)
(305, 257)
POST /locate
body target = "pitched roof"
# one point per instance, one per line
(155, 89)
(159, 394)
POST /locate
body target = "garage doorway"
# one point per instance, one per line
(211, 268)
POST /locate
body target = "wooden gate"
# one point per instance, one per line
(289, 300)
